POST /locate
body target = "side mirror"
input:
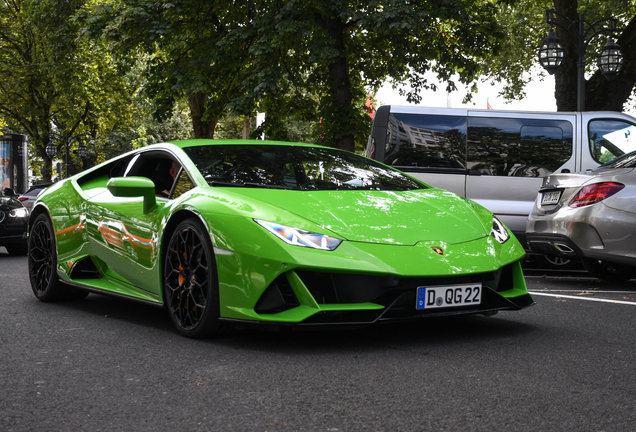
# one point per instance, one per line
(130, 187)
(8, 192)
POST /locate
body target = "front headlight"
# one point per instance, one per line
(499, 231)
(299, 237)
(19, 213)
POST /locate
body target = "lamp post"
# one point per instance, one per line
(551, 53)
(67, 140)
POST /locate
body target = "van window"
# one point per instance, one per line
(610, 139)
(518, 147)
(415, 140)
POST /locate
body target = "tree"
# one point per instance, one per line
(52, 80)
(314, 57)
(338, 49)
(597, 87)
(197, 50)
(517, 63)
(26, 96)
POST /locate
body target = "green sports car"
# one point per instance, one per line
(257, 232)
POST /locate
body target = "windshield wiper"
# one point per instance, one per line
(246, 184)
(225, 183)
(266, 186)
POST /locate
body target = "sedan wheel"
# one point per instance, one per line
(609, 271)
(553, 262)
(190, 281)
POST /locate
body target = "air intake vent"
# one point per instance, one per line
(278, 297)
(85, 269)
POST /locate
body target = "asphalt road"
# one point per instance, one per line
(103, 364)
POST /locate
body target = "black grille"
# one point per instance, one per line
(278, 297)
(337, 288)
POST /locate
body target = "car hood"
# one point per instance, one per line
(384, 217)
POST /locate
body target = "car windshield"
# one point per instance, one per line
(294, 167)
(626, 161)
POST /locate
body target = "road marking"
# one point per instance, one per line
(589, 291)
(582, 298)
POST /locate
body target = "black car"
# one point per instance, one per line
(13, 223)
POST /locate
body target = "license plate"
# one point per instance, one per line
(551, 197)
(442, 296)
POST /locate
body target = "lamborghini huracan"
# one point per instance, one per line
(290, 235)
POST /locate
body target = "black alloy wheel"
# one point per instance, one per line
(190, 281)
(42, 260)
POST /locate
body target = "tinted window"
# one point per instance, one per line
(294, 167)
(415, 140)
(518, 147)
(610, 139)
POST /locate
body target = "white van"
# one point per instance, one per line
(496, 158)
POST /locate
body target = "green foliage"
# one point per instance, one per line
(338, 50)
(311, 62)
(53, 80)
(525, 25)
(193, 47)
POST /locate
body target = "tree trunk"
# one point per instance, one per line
(566, 76)
(47, 162)
(47, 168)
(247, 127)
(340, 89)
(202, 128)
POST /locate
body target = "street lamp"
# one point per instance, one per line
(551, 53)
(67, 140)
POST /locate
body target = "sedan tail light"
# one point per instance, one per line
(594, 193)
(22, 198)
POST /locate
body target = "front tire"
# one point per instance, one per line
(609, 271)
(190, 281)
(45, 283)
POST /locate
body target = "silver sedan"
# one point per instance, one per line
(591, 216)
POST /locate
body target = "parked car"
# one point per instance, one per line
(28, 198)
(13, 223)
(270, 233)
(591, 216)
(497, 158)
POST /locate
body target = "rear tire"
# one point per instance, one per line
(45, 283)
(609, 271)
(190, 281)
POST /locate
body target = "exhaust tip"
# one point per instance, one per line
(563, 248)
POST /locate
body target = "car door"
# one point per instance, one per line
(128, 241)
